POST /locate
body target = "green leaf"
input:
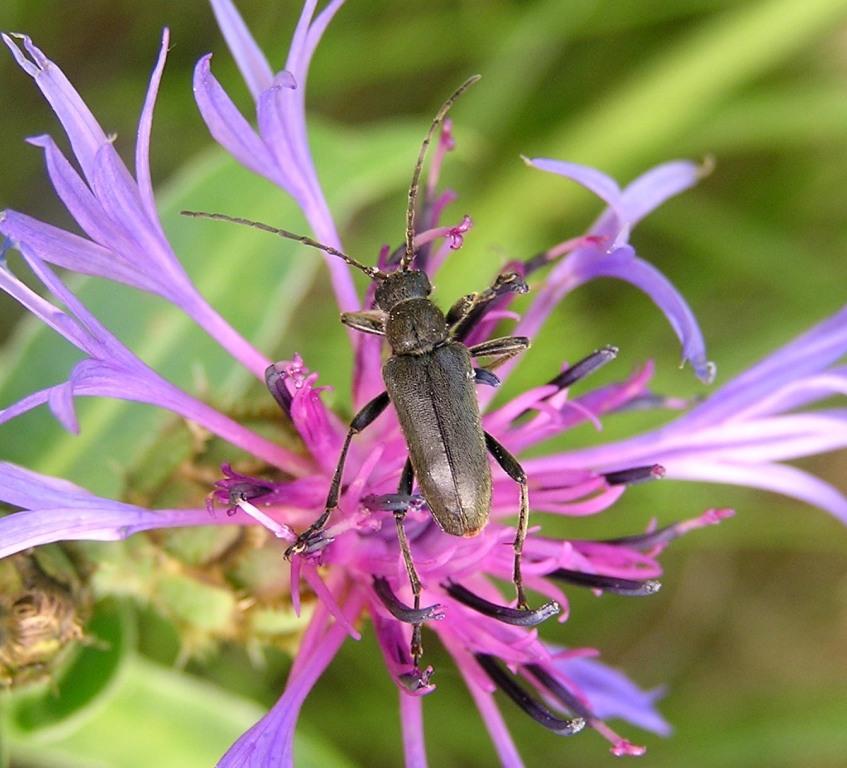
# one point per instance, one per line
(163, 717)
(776, 119)
(255, 281)
(761, 729)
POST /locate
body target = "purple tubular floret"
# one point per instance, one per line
(399, 610)
(514, 616)
(614, 584)
(635, 475)
(527, 703)
(275, 381)
(567, 699)
(584, 367)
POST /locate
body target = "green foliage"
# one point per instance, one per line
(163, 715)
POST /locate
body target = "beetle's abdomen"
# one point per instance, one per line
(435, 400)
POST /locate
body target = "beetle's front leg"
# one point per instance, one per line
(513, 469)
(367, 321)
(502, 349)
(470, 309)
(312, 539)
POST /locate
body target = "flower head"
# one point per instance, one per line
(378, 550)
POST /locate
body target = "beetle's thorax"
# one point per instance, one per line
(415, 326)
(402, 285)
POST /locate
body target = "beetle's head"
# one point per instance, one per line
(400, 286)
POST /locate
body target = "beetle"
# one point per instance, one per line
(429, 379)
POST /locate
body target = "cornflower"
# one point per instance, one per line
(741, 434)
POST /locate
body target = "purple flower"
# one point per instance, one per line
(279, 149)
(747, 428)
(354, 566)
(125, 239)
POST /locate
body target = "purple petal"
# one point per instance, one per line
(96, 379)
(779, 478)
(145, 127)
(657, 185)
(270, 742)
(227, 125)
(605, 187)
(723, 428)
(251, 61)
(114, 371)
(61, 402)
(496, 727)
(411, 720)
(30, 490)
(76, 195)
(484, 700)
(64, 249)
(84, 132)
(276, 109)
(120, 215)
(102, 521)
(121, 200)
(760, 440)
(156, 268)
(297, 48)
(612, 694)
(316, 31)
(649, 191)
(327, 598)
(808, 354)
(623, 264)
(282, 124)
(95, 339)
(796, 394)
(25, 404)
(625, 210)
(60, 322)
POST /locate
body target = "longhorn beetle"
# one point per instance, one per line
(429, 378)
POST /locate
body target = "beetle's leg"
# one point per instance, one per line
(470, 309)
(393, 502)
(308, 540)
(484, 376)
(405, 489)
(366, 321)
(501, 349)
(514, 470)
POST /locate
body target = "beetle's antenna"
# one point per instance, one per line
(371, 272)
(409, 255)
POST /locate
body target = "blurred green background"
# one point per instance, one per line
(749, 632)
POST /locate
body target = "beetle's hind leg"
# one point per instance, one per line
(311, 540)
(514, 470)
(405, 489)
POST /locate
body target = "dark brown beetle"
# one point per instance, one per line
(429, 378)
